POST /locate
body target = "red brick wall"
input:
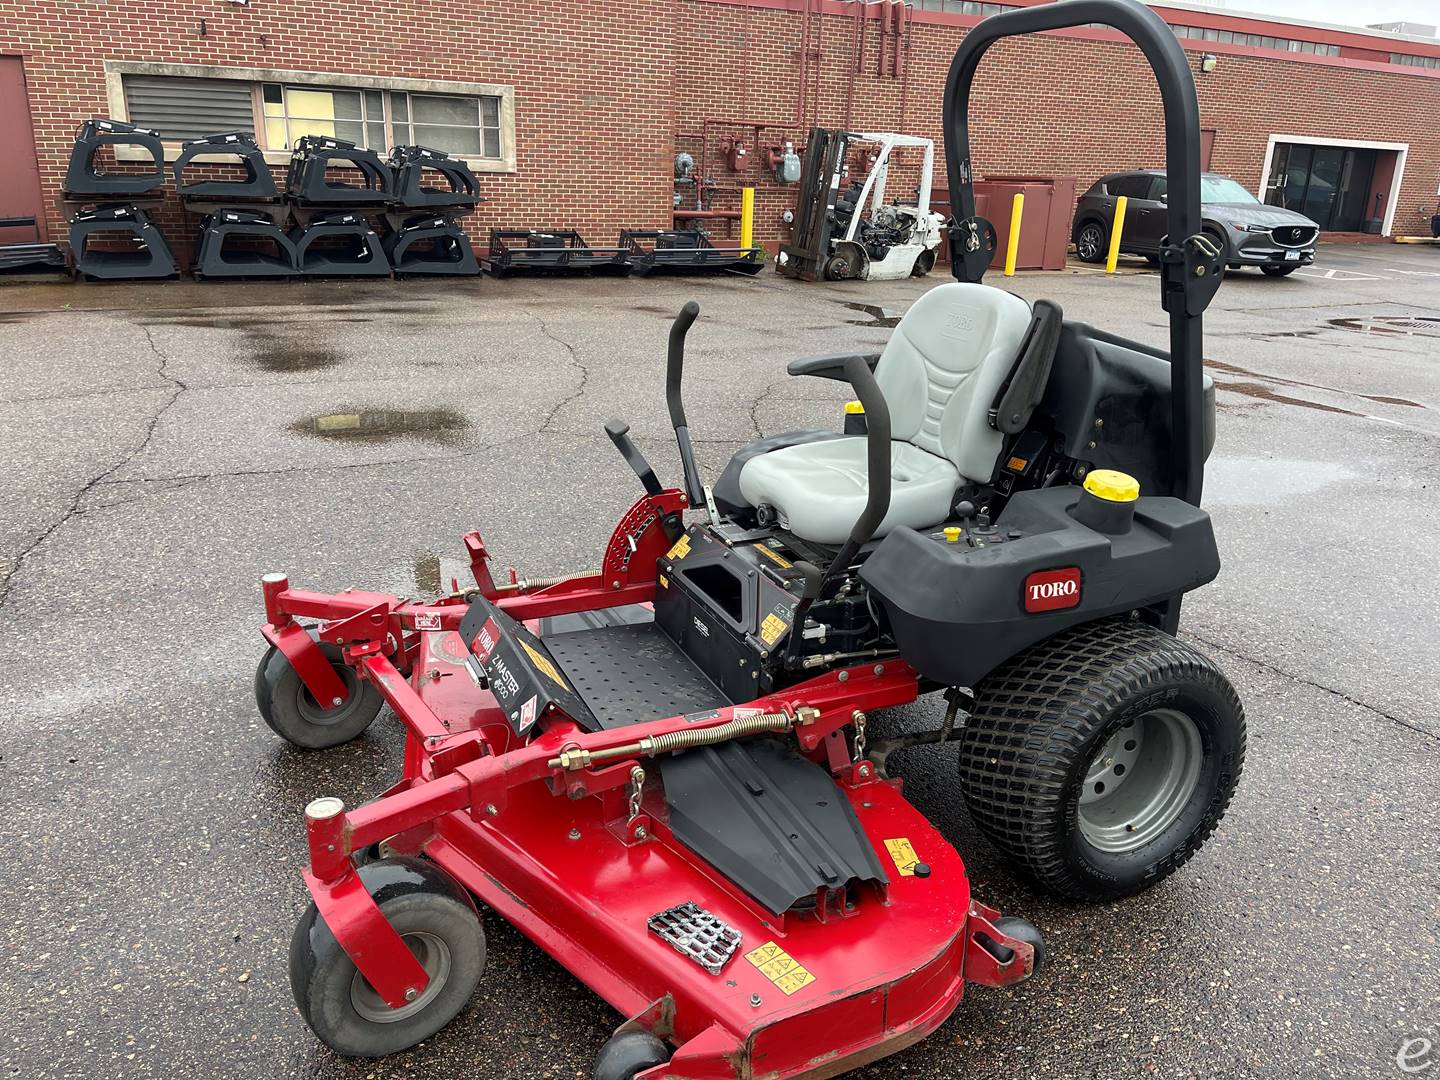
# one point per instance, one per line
(605, 93)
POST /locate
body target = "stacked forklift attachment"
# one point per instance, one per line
(258, 184)
(28, 255)
(339, 244)
(680, 250)
(516, 250)
(306, 179)
(243, 243)
(430, 244)
(82, 177)
(410, 164)
(96, 237)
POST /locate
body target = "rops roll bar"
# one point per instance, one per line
(1190, 271)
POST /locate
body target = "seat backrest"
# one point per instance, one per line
(944, 366)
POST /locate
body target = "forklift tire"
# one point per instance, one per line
(924, 263)
(435, 917)
(839, 267)
(1101, 759)
(629, 1054)
(296, 716)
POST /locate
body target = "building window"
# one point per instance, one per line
(1408, 60)
(1255, 41)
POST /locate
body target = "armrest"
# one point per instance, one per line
(830, 367)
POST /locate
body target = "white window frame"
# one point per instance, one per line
(1391, 204)
(115, 70)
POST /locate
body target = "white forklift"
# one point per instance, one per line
(847, 230)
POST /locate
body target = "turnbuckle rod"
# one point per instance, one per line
(575, 758)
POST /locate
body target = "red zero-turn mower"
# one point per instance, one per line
(659, 772)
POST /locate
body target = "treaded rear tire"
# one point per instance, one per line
(1041, 717)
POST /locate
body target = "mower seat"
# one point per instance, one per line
(949, 359)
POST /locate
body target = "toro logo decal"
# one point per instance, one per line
(1052, 590)
(487, 639)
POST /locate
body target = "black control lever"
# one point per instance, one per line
(619, 433)
(674, 370)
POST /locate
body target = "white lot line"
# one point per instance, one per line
(1337, 274)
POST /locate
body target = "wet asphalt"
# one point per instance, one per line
(164, 445)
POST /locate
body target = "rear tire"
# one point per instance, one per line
(294, 714)
(1091, 242)
(1100, 760)
(924, 263)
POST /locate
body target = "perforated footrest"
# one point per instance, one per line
(306, 178)
(81, 176)
(430, 245)
(113, 242)
(339, 244)
(258, 184)
(410, 163)
(241, 243)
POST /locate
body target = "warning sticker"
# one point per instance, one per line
(527, 715)
(904, 855)
(780, 968)
(541, 661)
(772, 628)
(680, 550)
(426, 621)
(664, 582)
(774, 556)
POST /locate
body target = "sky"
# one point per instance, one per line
(1343, 12)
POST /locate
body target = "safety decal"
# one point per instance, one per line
(664, 582)
(680, 550)
(541, 661)
(903, 854)
(774, 556)
(527, 716)
(780, 968)
(772, 628)
(487, 638)
(427, 621)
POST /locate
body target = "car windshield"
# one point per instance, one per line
(1221, 189)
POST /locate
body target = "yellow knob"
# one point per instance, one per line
(952, 534)
(854, 408)
(1112, 485)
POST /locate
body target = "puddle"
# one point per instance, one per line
(282, 356)
(18, 316)
(1264, 393)
(1389, 325)
(445, 427)
(427, 574)
(1246, 481)
(879, 316)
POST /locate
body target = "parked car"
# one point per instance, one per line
(1250, 232)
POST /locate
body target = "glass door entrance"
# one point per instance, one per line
(1328, 184)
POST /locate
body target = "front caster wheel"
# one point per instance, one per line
(293, 713)
(629, 1054)
(1102, 759)
(435, 918)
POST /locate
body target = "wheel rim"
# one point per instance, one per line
(434, 957)
(1089, 243)
(311, 711)
(1140, 781)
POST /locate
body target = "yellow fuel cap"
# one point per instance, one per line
(853, 408)
(952, 534)
(1112, 485)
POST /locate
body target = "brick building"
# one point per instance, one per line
(573, 113)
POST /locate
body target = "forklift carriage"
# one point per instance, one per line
(660, 771)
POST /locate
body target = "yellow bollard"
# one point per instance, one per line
(1012, 246)
(1115, 229)
(747, 217)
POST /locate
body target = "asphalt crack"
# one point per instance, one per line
(1266, 665)
(755, 408)
(177, 387)
(575, 361)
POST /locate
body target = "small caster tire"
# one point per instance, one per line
(1026, 931)
(435, 917)
(628, 1055)
(293, 713)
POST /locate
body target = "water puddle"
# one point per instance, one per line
(286, 357)
(1390, 325)
(1249, 481)
(1265, 393)
(445, 427)
(879, 316)
(427, 574)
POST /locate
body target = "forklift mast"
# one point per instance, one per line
(804, 256)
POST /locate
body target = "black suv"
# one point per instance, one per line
(1250, 232)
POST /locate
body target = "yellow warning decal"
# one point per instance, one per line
(541, 661)
(664, 582)
(772, 628)
(780, 968)
(904, 855)
(681, 548)
(774, 556)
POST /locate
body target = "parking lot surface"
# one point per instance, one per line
(165, 445)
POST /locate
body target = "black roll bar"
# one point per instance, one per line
(1191, 270)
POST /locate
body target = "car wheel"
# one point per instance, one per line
(1278, 271)
(1091, 241)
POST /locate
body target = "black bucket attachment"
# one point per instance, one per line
(684, 250)
(305, 179)
(430, 245)
(515, 250)
(259, 184)
(242, 243)
(336, 244)
(144, 253)
(410, 164)
(81, 178)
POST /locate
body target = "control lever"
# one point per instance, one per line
(619, 433)
(674, 370)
